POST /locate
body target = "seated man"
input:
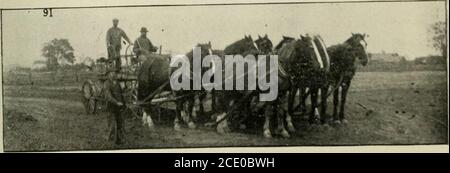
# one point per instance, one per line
(143, 46)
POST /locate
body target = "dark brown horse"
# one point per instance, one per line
(195, 103)
(290, 57)
(311, 73)
(308, 67)
(343, 67)
(283, 42)
(154, 75)
(264, 46)
(226, 100)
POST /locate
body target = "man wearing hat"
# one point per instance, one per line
(115, 103)
(143, 46)
(113, 42)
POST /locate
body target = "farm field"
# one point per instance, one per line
(409, 108)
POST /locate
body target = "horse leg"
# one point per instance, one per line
(323, 104)
(193, 106)
(345, 88)
(280, 114)
(313, 117)
(335, 105)
(221, 126)
(290, 125)
(213, 100)
(302, 100)
(178, 114)
(220, 112)
(189, 109)
(266, 128)
(291, 98)
(201, 99)
(144, 116)
(227, 105)
(246, 113)
(225, 121)
(147, 119)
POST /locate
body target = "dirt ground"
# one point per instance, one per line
(409, 108)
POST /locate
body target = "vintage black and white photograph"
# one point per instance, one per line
(224, 75)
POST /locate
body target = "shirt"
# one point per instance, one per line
(112, 92)
(114, 35)
(142, 45)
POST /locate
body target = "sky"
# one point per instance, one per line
(392, 27)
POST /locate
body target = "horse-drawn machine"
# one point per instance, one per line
(92, 90)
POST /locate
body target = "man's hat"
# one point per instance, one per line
(144, 29)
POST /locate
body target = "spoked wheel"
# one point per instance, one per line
(89, 99)
(130, 96)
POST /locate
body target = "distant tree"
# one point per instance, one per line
(39, 65)
(56, 51)
(438, 37)
(23, 69)
(40, 62)
(403, 60)
(87, 60)
(420, 60)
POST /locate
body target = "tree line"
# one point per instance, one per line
(59, 53)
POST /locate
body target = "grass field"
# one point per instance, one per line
(409, 108)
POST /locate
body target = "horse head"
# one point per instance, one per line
(243, 46)
(305, 46)
(297, 54)
(264, 44)
(283, 42)
(206, 48)
(312, 52)
(358, 47)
